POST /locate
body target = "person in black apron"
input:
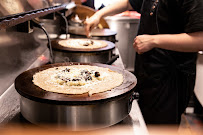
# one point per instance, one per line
(165, 70)
(89, 3)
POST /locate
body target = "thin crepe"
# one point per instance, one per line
(107, 80)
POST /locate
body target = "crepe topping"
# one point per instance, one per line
(88, 43)
(77, 79)
(66, 76)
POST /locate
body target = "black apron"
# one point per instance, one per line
(165, 78)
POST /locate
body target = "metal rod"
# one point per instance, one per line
(39, 25)
(66, 22)
(49, 44)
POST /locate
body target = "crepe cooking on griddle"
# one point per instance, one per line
(77, 79)
(83, 43)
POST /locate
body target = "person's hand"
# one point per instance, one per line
(143, 43)
(90, 23)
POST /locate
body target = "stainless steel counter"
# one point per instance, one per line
(18, 51)
(10, 99)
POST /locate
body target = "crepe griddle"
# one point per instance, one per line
(95, 32)
(26, 88)
(56, 46)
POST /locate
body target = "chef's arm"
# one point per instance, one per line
(184, 42)
(118, 7)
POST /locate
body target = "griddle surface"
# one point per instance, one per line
(26, 88)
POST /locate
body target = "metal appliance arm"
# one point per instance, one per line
(40, 25)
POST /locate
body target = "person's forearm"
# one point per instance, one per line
(191, 42)
(118, 7)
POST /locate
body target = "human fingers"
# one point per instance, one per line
(138, 40)
(138, 45)
(135, 43)
(87, 28)
(90, 23)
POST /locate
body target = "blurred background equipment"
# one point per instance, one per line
(126, 25)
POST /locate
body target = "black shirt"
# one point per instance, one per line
(166, 78)
(174, 16)
(171, 17)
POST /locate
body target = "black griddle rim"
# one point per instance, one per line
(84, 36)
(84, 100)
(80, 51)
(78, 103)
(110, 33)
(56, 47)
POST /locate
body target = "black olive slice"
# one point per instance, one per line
(96, 74)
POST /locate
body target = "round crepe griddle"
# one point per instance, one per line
(95, 32)
(56, 46)
(25, 87)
